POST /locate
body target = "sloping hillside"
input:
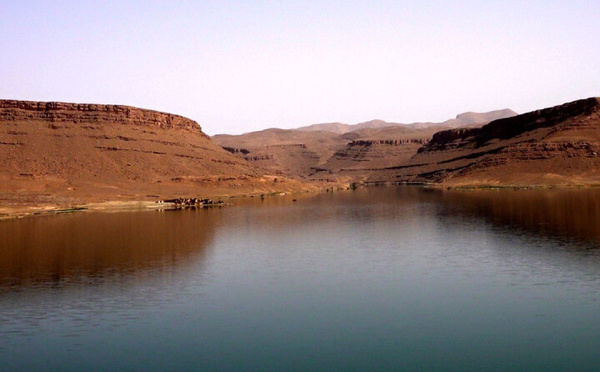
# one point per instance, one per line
(55, 152)
(554, 146)
(341, 128)
(461, 120)
(334, 152)
(289, 152)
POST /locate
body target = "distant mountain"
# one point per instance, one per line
(461, 120)
(321, 151)
(341, 128)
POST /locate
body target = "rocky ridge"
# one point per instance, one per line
(67, 153)
(554, 146)
(56, 112)
(340, 152)
(461, 120)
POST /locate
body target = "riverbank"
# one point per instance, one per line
(27, 205)
(21, 211)
(20, 206)
(478, 186)
(23, 199)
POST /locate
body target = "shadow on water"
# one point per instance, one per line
(91, 248)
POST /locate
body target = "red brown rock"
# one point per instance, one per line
(54, 152)
(555, 146)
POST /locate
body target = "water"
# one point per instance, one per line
(375, 279)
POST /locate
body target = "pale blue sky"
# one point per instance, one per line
(239, 66)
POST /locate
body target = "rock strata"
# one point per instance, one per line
(555, 146)
(341, 151)
(83, 113)
(69, 153)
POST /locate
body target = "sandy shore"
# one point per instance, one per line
(20, 211)
(27, 206)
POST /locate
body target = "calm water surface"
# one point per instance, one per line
(375, 279)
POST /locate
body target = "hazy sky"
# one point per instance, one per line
(239, 66)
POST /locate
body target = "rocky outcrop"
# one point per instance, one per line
(450, 138)
(508, 128)
(361, 157)
(286, 152)
(87, 151)
(512, 127)
(82, 113)
(557, 145)
(234, 150)
(286, 146)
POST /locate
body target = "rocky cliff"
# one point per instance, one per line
(82, 113)
(554, 146)
(87, 151)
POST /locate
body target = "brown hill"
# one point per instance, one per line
(335, 153)
(341, 128)
(61, 153)
(461, 120)
(553, 146)
(470, 118)
(286, 151)
(376, 148)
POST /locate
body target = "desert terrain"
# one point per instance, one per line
(333, 152)
(66, 155)
(556, 146)
(62, 155)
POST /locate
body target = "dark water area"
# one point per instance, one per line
(372, 279)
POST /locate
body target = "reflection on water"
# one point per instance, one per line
(374, 279)
(564, 214)
(73, 285)
(567, 214)
(91, 246)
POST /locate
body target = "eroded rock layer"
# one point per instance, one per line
(325, 152)
(89, 151)
(554, 146)
(84, 113)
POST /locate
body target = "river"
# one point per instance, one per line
(378, 278)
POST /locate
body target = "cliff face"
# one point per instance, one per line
(360, 157)
(82, 113)
(508, 128)
(557, 145)
(550, 117)
(88, 151)
(451, 138)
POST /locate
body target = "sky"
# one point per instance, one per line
(241, 66)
